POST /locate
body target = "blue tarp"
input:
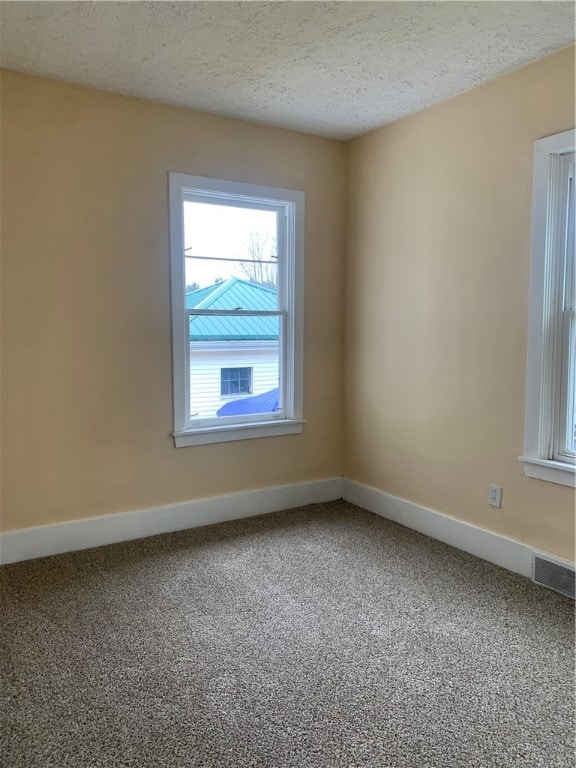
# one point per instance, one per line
(267, 402)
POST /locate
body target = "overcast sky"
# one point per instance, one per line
(222, 231)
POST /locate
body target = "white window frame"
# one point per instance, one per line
(290, 205)
(548, 359)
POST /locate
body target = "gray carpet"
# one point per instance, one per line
(319, 637)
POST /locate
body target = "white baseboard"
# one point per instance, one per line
(44, 540)
(490, 546)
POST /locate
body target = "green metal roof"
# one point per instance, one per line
(193, 298)
(233, 294)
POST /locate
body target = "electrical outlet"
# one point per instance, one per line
(495, 495)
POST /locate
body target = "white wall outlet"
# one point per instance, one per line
(495, 495)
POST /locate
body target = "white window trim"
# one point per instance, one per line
(540, 409)
(291, 420)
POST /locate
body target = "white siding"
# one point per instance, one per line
(205, 366)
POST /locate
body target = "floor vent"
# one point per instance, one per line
(554, 575)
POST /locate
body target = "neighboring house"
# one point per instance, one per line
(231, 358)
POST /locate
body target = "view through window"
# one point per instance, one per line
(231, 267)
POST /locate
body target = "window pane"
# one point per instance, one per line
(223, 242)
(571, 391)
(234, 365)
(570, 260)
(234, 290)
(569, 306)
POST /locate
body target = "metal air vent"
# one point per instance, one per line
(553, 574)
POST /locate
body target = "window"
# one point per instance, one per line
(550, 432)
(237, 291)
(235, 381)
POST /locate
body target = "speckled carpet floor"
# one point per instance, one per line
(319, 637)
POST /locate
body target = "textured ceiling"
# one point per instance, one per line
(334, 69)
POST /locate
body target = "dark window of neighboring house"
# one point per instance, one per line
(235, 381)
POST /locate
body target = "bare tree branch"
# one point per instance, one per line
(260, 249)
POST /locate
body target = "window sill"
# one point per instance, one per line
(551, 471)
(206, 435)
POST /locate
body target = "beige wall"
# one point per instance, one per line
(436, 303)
(437, 282)
(86, 351)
